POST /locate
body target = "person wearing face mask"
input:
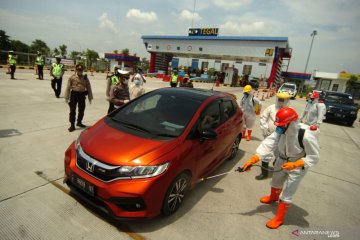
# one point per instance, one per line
(298, 150)
(78, 87)
(136, 89)
(314, 113)
(251, 107)
(267, 126)
(119, 93)
(139, 76)
(112, 80)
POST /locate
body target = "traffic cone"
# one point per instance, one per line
(263, 97)
(267, 95)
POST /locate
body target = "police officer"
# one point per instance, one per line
(57, 72)
(78, 87)
(295, 157)
(119, 93)
(40, 61)
(111, 80)
(12, 64)
(174, 78)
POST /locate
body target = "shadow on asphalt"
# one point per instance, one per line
(9, 133)
(295, 215)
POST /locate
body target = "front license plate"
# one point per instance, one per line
(83, 184)
(339, 115)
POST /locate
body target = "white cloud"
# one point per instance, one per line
(250, 29)
(106, 23)
(231, 4)
(186, 15)
(143, 17)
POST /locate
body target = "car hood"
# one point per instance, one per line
(338, 105)
(115, 147)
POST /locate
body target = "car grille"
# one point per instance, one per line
(340, 110)
(97, 169)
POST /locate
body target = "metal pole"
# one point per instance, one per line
(312, 40)
(192, 20)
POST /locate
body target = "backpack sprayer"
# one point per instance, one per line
(239, 169)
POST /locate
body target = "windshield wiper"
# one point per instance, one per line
(130, 125)
(165, 135)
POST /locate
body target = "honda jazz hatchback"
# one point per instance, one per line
(140, 160)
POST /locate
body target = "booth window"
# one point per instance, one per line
(178, 48)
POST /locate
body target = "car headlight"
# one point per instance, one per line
(142, 171)
(352, 112)
(329, 109)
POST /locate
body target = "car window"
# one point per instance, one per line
(339, 98)
(228, 109)
(288, 86)
(210, 118)
(159, 114)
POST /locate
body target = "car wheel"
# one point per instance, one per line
(175, 194)
(350, 123)
(235, 147)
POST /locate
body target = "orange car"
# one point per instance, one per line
(140, 160)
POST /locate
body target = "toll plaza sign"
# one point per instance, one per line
(203, 31)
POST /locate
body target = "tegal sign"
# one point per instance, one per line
(203, 31)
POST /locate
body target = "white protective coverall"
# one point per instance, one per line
(267, 118)
(289, 151)
(314, 113)
(248, 106)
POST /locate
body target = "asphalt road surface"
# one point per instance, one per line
(35, 204)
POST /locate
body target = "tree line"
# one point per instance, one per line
(26, 52)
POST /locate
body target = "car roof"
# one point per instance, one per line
(194, 93)
(338, 93)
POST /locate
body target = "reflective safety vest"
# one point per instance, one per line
(57, 69)
(12, 60)
(40, 60)
(174, 78)
(114, 80)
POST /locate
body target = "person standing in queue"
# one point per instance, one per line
(119, 93)
(298, 150)
(40, 61)
(78, 87)
(57, 72)
(267, 120)
(174, 78)
(111, 80)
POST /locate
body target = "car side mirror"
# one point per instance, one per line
(208, 134)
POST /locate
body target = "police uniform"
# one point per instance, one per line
(12, 63)
(78, 87)
(57, 72)
(40, 66)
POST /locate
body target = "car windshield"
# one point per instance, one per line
(160, 114)
(288, 87)
(339, 98)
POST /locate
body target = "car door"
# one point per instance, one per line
(231, 124)
(204, 155)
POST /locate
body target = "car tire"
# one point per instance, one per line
(235, 147)
(350, 123)
(175, 194)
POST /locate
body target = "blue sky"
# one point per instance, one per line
(117, 24)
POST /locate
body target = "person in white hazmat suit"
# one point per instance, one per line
(267, 126)
(314, 112)
(251, 107)
(295, 157)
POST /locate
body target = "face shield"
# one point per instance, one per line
(281, 102)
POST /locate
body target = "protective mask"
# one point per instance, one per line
(246, 94)
(137, 82)
(309, 100)
(280, 130)
(126, 81)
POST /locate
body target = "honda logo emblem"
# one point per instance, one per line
(90, 166)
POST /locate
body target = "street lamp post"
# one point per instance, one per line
(312, 40)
